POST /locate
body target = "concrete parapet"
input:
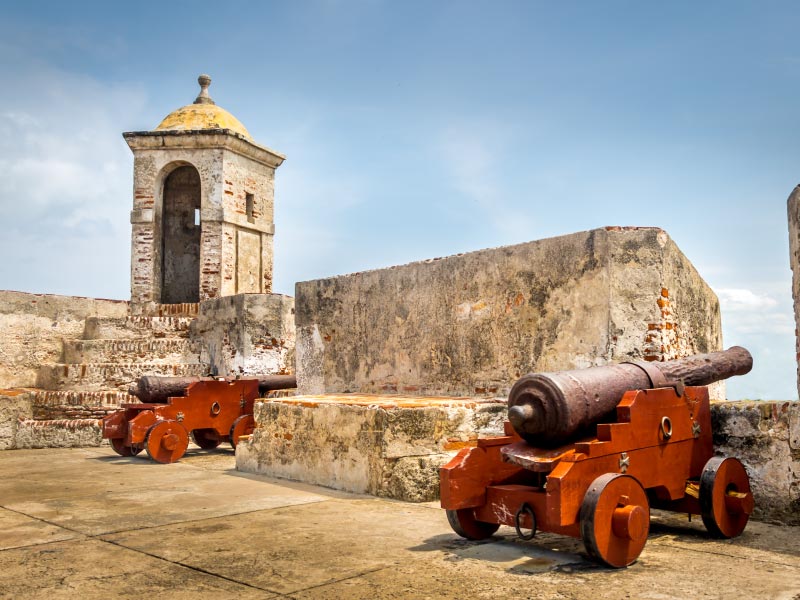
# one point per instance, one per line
(246, 334)
(388, 446)
(765, 436)
(472, 324)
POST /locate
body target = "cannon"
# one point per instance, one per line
(210, 410)
(152, 388)
(587, 453)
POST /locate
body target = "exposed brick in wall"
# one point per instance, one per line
(48, 413)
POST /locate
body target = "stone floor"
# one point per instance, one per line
(85, 523)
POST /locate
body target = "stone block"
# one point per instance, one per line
(246, 334)
(61, 433)
(472, 324)
(764, 435)
(389, 446)
(15, 406)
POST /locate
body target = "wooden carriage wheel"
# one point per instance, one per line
(725, 497)
(244, 425)
(207, 439)
(118, 445)
(465, 524)
(615, 519)
(166, 441)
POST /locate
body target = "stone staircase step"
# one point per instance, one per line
(158, 350)
(184, 309)
(96, 377)
(136, 327)
(104, 398)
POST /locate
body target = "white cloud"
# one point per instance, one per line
(65, 190)
(762, 320)
(470, 157)
(744, 300)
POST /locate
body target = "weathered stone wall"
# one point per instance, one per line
(383, 445)
(235, 245)
(472, 324)
(34, 326)
(765, 436)
(793, 208)
(246, 334)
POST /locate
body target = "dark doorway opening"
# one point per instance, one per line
(180, 234)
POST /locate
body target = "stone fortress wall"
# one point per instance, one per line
(472, 324)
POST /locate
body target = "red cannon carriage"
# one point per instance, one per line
(657, 453)
(211, 410)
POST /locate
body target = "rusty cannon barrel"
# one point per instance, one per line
(549, 409)
(151, 388)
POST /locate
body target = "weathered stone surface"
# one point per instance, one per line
(416, 478)
(60, 433)
(793, 208)
(14, 406)
(32, 327)
(765, 436)
(136, 327)
(384, 445)
(154, 350)
(246, 334)
(472, 324)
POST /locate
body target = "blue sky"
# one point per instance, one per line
(422, 129)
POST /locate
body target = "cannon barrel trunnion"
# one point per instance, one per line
(547, 473)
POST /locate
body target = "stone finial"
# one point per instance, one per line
(203, 97)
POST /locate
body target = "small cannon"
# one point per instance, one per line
(211, 410)
(551, 472)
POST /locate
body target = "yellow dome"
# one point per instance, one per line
(203, 114)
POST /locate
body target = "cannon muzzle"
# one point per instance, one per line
(549, 409)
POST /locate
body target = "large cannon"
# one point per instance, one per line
(154, 388)
(587, 453)
(548, 409)
(210, 410)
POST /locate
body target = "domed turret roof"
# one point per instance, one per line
(203, 114)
